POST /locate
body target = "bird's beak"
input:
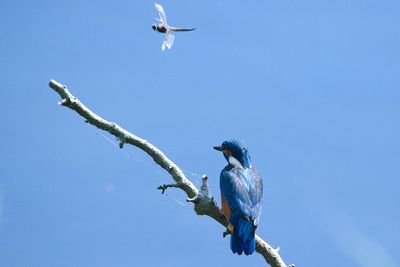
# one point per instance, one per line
(219, 148)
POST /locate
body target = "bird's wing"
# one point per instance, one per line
(256, 195)
(168, 41)
(161, 12)
(242, 189)
(177, 29)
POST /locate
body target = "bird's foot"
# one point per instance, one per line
(227, 232)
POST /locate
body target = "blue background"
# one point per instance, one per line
(311, 86)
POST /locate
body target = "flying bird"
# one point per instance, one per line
(241, 193)
(163, 27)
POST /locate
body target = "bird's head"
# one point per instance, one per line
(235, 152)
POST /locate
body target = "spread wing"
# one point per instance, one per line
(161, 12)
(168, 41)
(242, 190)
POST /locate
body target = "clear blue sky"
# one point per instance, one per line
(313, 88)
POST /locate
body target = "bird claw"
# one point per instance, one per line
(227, 232)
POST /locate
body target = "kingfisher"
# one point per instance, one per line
(163, 27)
(241, 193)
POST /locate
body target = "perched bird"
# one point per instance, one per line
(163, 27)
(241, 193)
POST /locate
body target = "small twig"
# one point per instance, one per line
(204, 189)
(121, 142)
(165, 186)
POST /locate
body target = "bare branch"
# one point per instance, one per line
(204, 204)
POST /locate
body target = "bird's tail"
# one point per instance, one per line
(243, 237)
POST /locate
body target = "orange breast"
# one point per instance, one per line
(225, 209)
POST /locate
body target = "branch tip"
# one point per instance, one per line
(54, 84)
(166, 186)
(204, 186)
(122, 141)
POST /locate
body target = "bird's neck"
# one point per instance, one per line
(245, 163)
(234, 162)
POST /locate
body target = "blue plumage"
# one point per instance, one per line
(241, 191)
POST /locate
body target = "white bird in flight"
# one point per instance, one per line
(163, 27)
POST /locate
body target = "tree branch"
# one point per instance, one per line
(204, 204)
